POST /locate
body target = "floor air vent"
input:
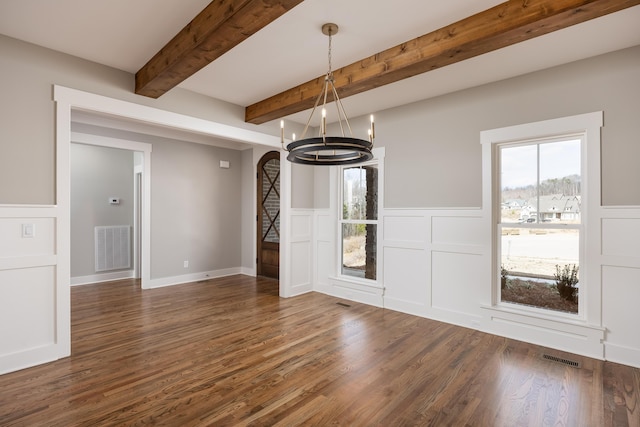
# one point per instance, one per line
(343, 304)
(572, 363)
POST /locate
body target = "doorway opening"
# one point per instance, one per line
(133, 204)
(106, 212)
(268, 218)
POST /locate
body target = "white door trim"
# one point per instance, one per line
(66, 100)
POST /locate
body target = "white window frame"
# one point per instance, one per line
(378, 160)
(588, 125)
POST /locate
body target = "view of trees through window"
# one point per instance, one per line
(359, 221)
(540, 223)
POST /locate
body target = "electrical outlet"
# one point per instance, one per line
(186, 264)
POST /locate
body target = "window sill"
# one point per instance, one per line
(356, 281)
(539, 315)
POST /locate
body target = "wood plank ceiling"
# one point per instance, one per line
(225, 23)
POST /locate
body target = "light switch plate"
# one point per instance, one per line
(28, 231)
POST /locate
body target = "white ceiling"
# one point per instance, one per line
(125, 34)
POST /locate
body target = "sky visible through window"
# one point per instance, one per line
(557, 160)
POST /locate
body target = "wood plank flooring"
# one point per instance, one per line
(230, 352)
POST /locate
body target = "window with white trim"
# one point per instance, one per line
(567, 147)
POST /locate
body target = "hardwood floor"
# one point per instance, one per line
(230, 352)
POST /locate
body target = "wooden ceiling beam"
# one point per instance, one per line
(222, 25)
(508, 23)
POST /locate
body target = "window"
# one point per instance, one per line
(546, 146)
(540, 223)
(359, 221)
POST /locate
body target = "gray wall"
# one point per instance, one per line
(302, 188)
(27, 138)
(321, 188)
(97, 173)
(195, 204)
(433, 156)
(195, 208)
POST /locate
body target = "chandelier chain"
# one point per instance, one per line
(330, 72)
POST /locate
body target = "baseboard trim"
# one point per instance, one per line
(621, 354)
(248, 271)
(103, 277)
(193, 277)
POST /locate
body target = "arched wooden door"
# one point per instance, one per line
(268, 250)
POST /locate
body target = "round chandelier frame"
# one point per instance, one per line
(329, 150)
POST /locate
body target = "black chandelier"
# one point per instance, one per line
(323, 149)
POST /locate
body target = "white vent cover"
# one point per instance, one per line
(113, 247)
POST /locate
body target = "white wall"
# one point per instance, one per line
(248, 213)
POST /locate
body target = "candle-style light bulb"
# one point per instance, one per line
(282, 131)
(324, 121)
(372, 133)
(369, 133)
(293, 137)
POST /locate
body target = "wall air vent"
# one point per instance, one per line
(113, 247)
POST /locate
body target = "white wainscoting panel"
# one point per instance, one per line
(456, 280)
(354, 290)
(621, 302)
(301, 226)
(326, 227)
(300, 264)
(324, 245)
(457, 230)
(14, 245)
(437, 264)
(26, 308)
(406, 280)
(301, 268)
(429, 257)
(33, 329)
(405, 231)
(324, 260)
(621, 237)
(566, 336)
(620, 272)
